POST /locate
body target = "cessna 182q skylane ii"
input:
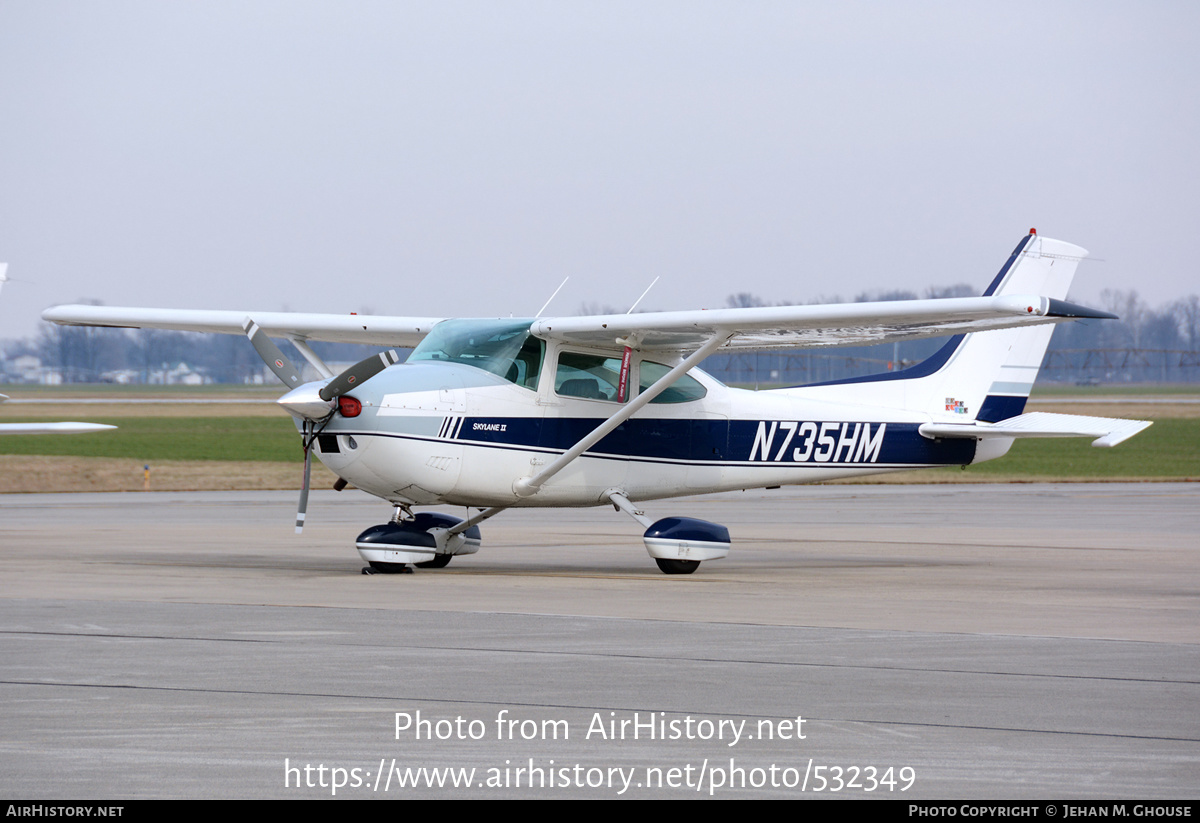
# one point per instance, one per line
(587, 411)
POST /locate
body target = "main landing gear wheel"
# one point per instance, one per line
(670, 566)
(674, 541)
(377, 567)
(439, 561)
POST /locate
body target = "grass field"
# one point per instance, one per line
(270, 439)
(238, 439)
(113, 390)
(1043, 390)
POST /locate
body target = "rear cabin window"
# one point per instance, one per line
(683, 390)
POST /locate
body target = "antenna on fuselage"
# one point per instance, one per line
(639, 300)
(556, 291)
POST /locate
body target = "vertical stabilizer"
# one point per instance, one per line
(983, 375)
(992, 373)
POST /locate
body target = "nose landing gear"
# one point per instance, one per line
(423, 541)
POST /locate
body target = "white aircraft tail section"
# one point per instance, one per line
(989, 376)
(983, 375)
(975, 387)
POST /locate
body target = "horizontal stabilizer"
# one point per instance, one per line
(1108, 431)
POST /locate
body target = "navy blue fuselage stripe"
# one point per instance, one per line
(940, 357)
(923, 369)
(637, 458)
(997, 407)
(720, 441)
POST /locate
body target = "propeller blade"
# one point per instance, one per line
(358, 373)
(303, 507)
(271, 355)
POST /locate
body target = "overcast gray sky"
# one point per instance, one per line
(461, 158)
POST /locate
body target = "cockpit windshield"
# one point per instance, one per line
(502, 347)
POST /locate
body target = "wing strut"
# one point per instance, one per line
(312, 357)
(528, 486)
(458, 528)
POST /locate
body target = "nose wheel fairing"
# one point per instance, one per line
(424, 539)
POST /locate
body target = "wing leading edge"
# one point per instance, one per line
(371, 330)
(842, 324)
(677, 331)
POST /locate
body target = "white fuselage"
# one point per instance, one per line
(434, 433)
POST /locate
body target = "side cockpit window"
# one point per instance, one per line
(589, 376)
(503, 347)
(527, 364)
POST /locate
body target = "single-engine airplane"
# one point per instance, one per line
(494, 414)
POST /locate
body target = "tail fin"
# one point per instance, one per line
(983, 376)
(989, 375)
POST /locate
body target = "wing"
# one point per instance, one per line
(52, 428)
(1027, 291)
(404, 332)
(841, 324)
(774, 327)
